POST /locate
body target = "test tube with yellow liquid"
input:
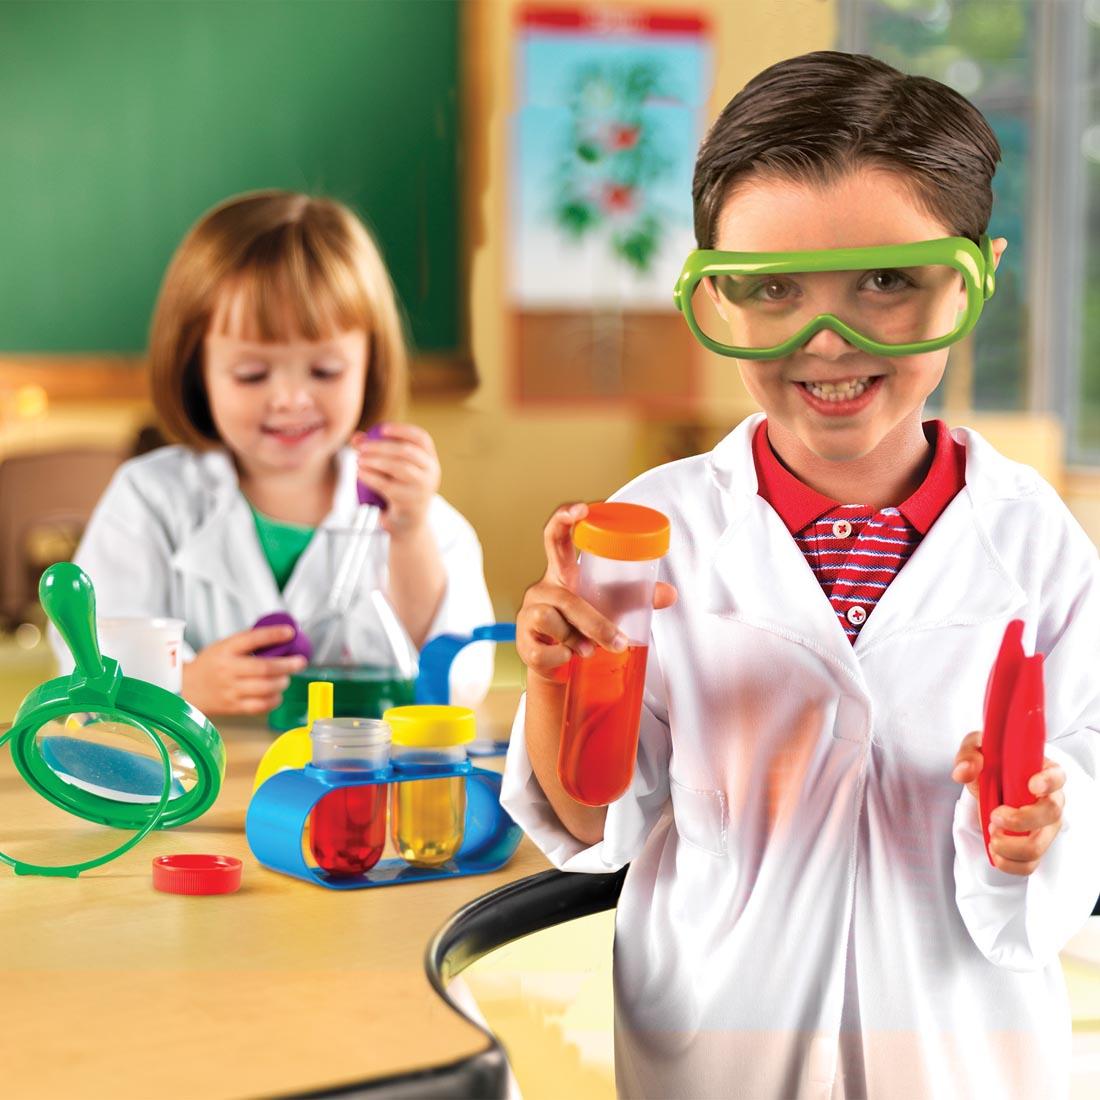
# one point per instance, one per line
(428, 816)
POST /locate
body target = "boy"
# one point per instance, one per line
(810, 910)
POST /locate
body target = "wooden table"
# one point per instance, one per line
(110, 989)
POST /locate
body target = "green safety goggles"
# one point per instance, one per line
(899, 299)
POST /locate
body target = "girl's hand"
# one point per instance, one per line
(225, 677)
(404, 468)
(554, 622)
(1017, 855)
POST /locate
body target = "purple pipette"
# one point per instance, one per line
(368, 496)
(372, 504)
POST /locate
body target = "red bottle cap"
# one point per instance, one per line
(196, 874)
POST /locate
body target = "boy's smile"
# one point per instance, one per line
(829, 402)
(841, 396)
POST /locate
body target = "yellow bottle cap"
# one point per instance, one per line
(294, 749)
(623, 532)
(431, 726)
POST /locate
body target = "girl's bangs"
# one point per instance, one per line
(289, 288)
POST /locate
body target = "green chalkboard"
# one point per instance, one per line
(121, 122)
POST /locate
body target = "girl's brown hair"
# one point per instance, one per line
(299, 267)
(812, 118)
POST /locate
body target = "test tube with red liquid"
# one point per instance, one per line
(347, 827)
(620, 550)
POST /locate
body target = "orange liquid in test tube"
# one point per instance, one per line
(599, 741)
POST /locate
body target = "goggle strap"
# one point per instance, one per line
(989, 279)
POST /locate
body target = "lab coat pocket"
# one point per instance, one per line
(701, 817)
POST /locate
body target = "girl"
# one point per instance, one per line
(276, 339)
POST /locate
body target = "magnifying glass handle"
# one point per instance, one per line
(69, 600)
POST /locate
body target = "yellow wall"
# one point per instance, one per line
(507, 467)
(1082, 494)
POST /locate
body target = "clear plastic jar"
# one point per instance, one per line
(621, 546)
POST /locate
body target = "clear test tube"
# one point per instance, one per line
(621, 546)
(428, 816)
(347, 827)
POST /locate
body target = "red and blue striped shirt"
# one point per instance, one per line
(854, 551)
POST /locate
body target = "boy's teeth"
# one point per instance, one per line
(838, 391)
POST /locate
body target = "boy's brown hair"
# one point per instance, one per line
(299, 268)
(812, 118)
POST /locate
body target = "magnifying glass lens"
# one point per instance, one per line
(106, 756)
(98, 755)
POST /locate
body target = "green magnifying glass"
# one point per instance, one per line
(104, 747)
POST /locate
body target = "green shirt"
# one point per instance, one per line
(282, 544)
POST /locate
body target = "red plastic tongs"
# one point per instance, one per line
(1014, 728)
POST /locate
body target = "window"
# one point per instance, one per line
(1033, 68)
(1084, 411)
(985, 50)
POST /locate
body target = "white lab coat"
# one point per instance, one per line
(174, 536)
(809, 911)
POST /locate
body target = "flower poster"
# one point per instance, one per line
(609, 114)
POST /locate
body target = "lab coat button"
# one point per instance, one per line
(857, 616)
(842, 529)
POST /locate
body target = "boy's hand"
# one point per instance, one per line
(1017, 855)
(554, 622)
(404, 468)
(225, 677)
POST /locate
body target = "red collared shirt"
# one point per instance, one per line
(854, 552)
